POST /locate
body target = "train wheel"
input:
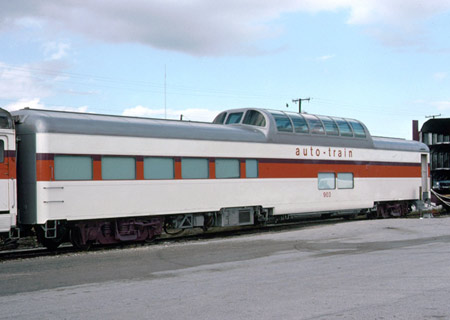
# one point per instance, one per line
(50, 244)
(168, 228)
(150, 239)
(77, 240)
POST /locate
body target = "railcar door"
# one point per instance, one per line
(8, 207)
(7, 185)
(4, 175)
(424, 174)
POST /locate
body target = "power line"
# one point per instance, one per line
(125, 84)
(262, 99)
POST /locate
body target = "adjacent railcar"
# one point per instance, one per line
(8, 198)
(106, 179)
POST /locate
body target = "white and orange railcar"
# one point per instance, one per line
(8, 198)
(105, 179)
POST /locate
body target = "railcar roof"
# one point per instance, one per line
(30, 121)
(47, 121)
(399, 144)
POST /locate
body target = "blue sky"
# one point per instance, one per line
(384, 62)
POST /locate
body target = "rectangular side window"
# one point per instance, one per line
(326, 181)
(227, 168)
(234, 118)
(118, 168)
(251, 168)
(194, 168)
(158, 168)
(345, 180)
(2, 151)
(73, 167)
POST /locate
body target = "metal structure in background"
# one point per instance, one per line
(435, 133)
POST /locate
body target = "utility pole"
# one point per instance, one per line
(433, 116)
(299, 100)
(165, 92)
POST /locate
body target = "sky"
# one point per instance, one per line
(383, 62)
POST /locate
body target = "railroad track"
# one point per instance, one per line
(30, 249)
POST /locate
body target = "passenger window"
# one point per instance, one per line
(344, 128)
(4, 122)
(234, 118)
(282, 121)
(118, 168)
(73, 167)
(220, 118)
(2, 151)
(358, 129)
(330, 126)
(194, 168)
(315, 125)
(326, 181)
(251, 168)
(227, 168)
(300, 125)
(345, 180)
(158, 168)
(254, 118)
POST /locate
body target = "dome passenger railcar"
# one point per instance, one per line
(106, 179)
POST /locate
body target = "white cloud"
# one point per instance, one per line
(74, 109)
(205, 27)
(21, 83)
(31, 80)
(30, 23)
(56, 50)
(35, 103)
(440, 75)
(326, 57)
(25, 103)
(191, 114)
(441, 105)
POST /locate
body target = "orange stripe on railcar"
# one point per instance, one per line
(212, 168)
(268, 168)
(45, 170)
(305, 170)
(177, 168)
(97, 168)
(8, 166)
(242, 168)
(139, 168)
